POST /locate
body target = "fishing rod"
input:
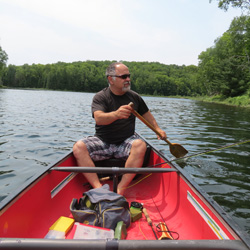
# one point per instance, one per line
(193, 155)
(162, 227)
(203, 153)
(150, 223)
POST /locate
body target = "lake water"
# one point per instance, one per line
(39, 127)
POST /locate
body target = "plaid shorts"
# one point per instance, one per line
(99, 150)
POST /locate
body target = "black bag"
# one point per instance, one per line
(101, 207)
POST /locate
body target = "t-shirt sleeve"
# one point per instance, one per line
(98, 103)
(143, 108)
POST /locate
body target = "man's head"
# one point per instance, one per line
(118, 77)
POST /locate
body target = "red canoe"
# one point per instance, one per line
(166, 191)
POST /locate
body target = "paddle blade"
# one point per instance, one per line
(177, 150)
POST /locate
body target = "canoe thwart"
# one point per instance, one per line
(113, 170)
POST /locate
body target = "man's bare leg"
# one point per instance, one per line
(135, 160)
(83, 159)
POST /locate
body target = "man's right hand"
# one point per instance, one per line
(123, 112)
(103, 118)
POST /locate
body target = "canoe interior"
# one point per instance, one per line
(168, 198)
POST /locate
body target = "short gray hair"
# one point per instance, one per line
(111, 70)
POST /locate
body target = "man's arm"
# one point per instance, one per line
(150, 118)
(102, 118)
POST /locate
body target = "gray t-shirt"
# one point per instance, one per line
(120, 130)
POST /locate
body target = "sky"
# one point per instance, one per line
(165, 31)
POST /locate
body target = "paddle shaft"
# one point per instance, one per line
(136, 114)
(175, 149)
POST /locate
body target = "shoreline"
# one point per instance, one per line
(238, 101)
(242, 101)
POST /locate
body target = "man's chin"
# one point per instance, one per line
(125, 89)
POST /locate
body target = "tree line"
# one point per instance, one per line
(223, 69)
(147, 78)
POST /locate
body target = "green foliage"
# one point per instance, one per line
(225, 68)
(147, 78)
(225, 4)
(243, 101)
(3, 61)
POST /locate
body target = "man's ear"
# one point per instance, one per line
(110, 80)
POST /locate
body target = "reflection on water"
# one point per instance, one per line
(38, 127)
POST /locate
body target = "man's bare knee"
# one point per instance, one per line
(79, 149)
(139, 147)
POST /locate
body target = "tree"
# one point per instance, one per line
(147, 78)
(224, 68)
(3, 61)
(240, 33)
(225, 4)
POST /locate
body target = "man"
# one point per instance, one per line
(115, 127)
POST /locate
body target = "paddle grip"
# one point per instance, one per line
(147, 216)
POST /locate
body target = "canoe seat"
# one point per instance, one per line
(113, 162)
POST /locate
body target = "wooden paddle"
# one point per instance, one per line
(176, 149)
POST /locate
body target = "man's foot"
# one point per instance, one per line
(121, 191)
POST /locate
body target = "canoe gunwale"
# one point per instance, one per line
(29, 183)
(209, 201)
(20, 243)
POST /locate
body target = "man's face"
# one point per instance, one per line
(122, 83)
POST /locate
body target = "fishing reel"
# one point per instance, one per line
(136, 204)
(136, 210)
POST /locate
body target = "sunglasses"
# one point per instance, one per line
(122, 76)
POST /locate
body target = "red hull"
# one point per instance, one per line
(168, 197)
